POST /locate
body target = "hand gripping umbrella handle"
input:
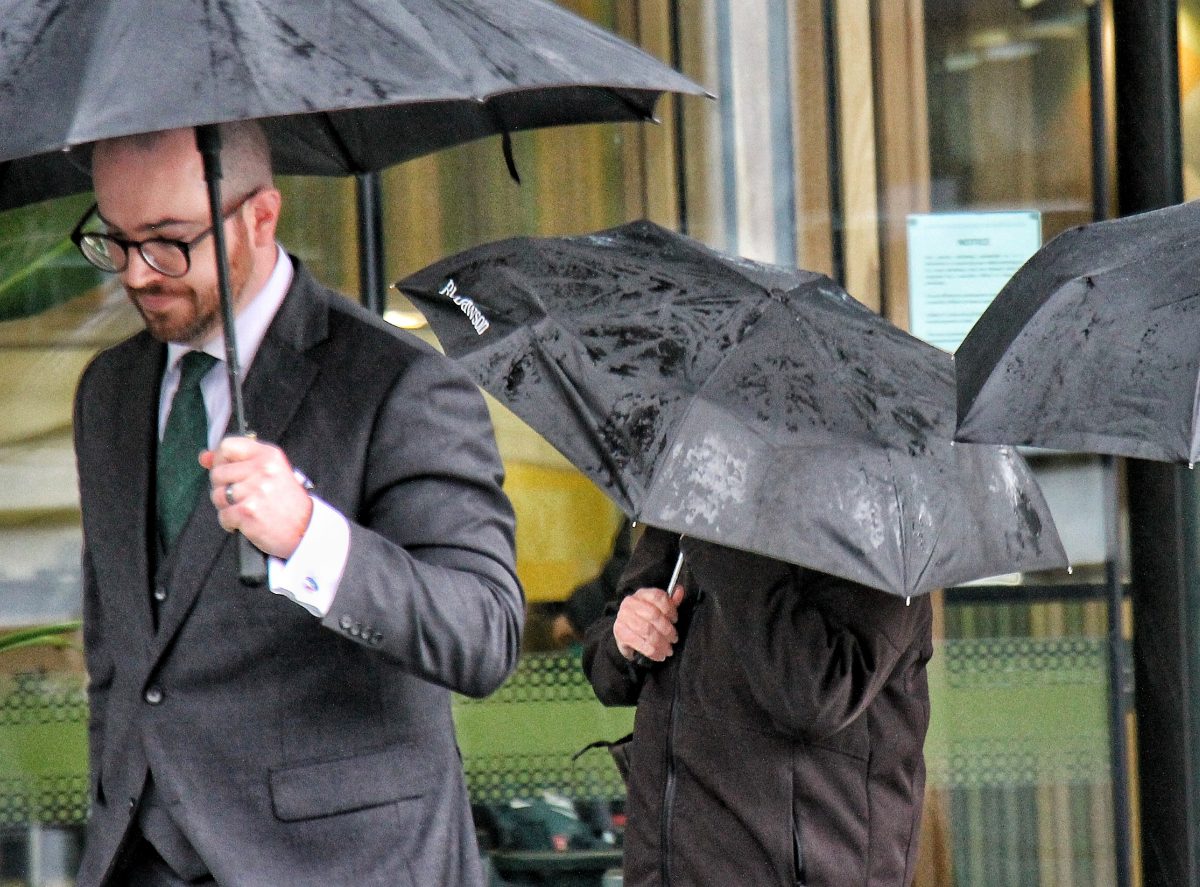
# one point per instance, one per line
(639, 659)
(252, 563)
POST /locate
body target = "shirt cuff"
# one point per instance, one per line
(311, 575)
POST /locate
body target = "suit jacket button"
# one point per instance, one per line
(376, 638)
(154, 695)
(345, 622)
(160, 594)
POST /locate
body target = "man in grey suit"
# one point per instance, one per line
(300, 733)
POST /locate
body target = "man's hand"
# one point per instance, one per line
(562, 632)
(257, 494)
(646, 623)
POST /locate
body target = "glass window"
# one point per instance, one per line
(1189, 94)
(55, 313)
(1009, 108)
(1018, 751)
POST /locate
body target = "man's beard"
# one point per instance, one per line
(205, 316)
(195, 328)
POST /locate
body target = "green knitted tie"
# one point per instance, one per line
(180, 475)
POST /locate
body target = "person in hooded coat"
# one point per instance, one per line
(781, 716)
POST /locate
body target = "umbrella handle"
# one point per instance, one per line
(639, 659)
(252, 563)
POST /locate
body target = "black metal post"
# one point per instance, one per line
(1098, 111)
(833, 125)
(1120, 673)
(1120, 680)
(1162, 498)
(680, 146)
(372, 290)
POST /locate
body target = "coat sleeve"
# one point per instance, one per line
(814, 650)
(587, 601)
(616, 680)
(97, 656)
(100, 675)
(430, 579)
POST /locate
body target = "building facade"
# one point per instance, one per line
(840, 129)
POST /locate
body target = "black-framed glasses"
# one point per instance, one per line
(171, 258)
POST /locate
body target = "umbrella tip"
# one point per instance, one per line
(908, 601)
(1070, 570)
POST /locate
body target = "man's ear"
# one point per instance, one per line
(264, 216)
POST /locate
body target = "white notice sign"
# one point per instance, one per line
(957, 263)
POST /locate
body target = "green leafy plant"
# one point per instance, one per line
(39, 266)
(53, 635)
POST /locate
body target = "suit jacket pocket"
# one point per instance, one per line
(340, 785)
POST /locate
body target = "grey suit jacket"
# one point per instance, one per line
(298, 751)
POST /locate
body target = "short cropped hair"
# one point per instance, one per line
(245, 154)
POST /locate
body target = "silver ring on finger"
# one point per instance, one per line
(229, 497)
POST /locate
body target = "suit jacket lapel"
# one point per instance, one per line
(283, 371)
(272, 390)
(134, 430)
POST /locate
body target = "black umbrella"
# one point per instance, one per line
(341, 87)
(1093, 344)
(740, 403)
(344, 87)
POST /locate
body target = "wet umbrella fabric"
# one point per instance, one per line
(739, 403)
(342, 88)
(1092, 345)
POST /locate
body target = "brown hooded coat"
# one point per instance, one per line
(781, 742)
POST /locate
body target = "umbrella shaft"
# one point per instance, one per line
(369, 191)
(252, 563)
(675, 574)
(208, 141)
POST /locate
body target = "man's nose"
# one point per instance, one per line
(138, 272)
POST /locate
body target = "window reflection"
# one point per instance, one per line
(1009, 108)
(55, 315)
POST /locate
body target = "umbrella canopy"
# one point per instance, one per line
(1092, 344)
(342, 87)
(740, 403)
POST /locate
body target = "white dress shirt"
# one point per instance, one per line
(311, 575)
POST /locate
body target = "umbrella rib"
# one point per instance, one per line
(913, 587)
(900, 525)
(335, 136)
(631, 105)
(716, 370)
(1193, 455)
(576, 397)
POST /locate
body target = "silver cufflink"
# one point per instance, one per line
(302, 479)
